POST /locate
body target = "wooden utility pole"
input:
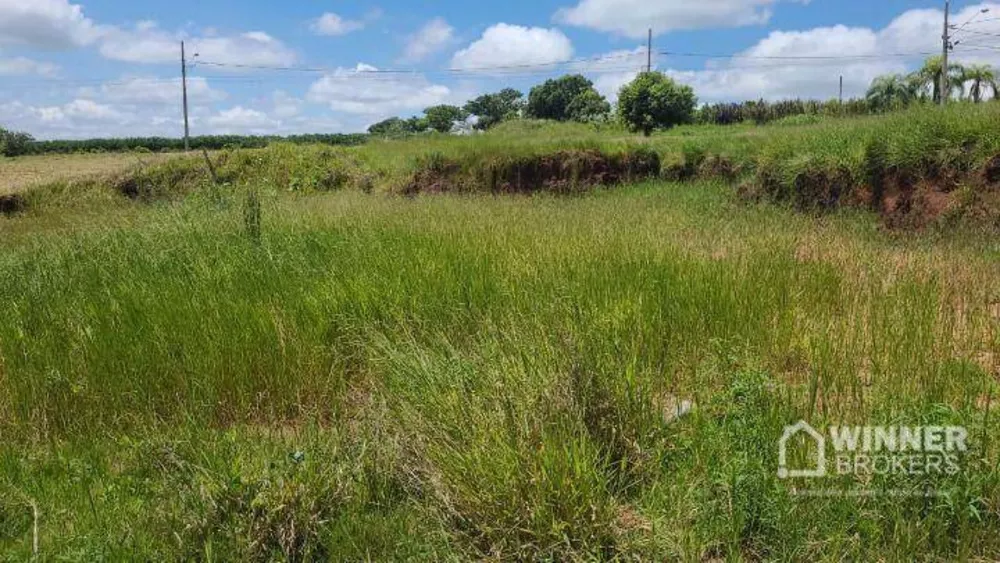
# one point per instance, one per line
(841, 96)
(649, 51)
(944, 57)
(184, 88)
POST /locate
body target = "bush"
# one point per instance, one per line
(654, 101)
(14, 143)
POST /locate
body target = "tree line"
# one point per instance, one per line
(18, 144)
(649, 102)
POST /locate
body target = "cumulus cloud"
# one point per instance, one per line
(147, 43)
(241, 120)
(915, 33)
(859, 54)
(752, 74)
(431, 38)
(331, 24)
(286, 105)
(511, 45)
(45, 24)
(23, 66)
(79, 118)
(159, 91)
(613, 70)
(362, 91)
(632, 18)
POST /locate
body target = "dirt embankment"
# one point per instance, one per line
(561, 172)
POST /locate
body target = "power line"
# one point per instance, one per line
(450, 70)
(796, 57)
(981, 33)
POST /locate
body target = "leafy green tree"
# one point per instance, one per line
(443, 117)
(491, 109)
(589, 106)
(14, 143)
(395, 126)
(929, 77)
(391, 126)
(983, 78)
(569, 97)
(891, 91)
(417, 125)
(654, 101)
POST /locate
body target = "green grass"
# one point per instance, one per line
(382, 378)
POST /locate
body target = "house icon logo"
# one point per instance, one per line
(806, 431)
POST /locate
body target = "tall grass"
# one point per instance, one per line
(365, 377)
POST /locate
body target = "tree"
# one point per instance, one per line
(443, 117)
(569, 97)
(929, 77)
(491, 109)
(391, 126)
(588, 106)
(14, 143)
(654, 101)
(395, 126)
(417, 125)
(891, 91)
(982, 77)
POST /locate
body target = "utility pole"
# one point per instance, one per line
(944, 58)
(649, 51)
(841, 96)
(184, 87)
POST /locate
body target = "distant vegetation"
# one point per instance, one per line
(18, 144)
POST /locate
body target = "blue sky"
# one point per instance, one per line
(111, 68)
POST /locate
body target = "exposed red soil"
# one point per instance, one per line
(910, 198)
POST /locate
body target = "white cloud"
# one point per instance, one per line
(22, 66)
(512, 45)
(45, 24)
(159, 91)
(632, 18)
(362, 91)
(613, 70)
(78, 118)
(332, 24)
(286, 105)
(91, 110)
(431, 38)
(876, 51)
(146, 43)
(241, 120)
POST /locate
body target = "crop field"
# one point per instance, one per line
(540, 343)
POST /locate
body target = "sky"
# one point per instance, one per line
(101, 68)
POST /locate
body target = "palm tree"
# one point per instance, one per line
(982, 77)
(891, 91)
(929, 76)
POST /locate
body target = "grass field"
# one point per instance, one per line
(20, 173)
(262, 371)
